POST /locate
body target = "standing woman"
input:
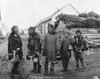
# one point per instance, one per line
(34, 49)
(49, 49)
(15, 48)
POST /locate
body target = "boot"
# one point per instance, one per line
(51, 71)
(15, 68)
(64, 69)
(66, 65)
(82, 63)
(39, 69)
(77, 67)
(46, 70)
(34, 68)
(83, 69)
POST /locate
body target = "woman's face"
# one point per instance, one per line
(78, 34)
(31, 31)
(16, 30)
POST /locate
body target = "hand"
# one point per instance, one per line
(42, 51)
(38, 54)
(70, 47)
(18, 48)
(58, 52)
(12, 60)
(14, 51)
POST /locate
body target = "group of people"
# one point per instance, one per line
(46, 47)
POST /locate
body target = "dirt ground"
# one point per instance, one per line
(92, 63)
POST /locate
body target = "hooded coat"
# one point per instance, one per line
(14, 42)
(64, 50)
(50, 46)
(33, 43)
(79, 43)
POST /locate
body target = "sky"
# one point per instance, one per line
(25, 13)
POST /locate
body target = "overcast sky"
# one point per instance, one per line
(25, 13)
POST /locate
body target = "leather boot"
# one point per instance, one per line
(51, 71)
(39, 69)
(34, 68)
(46, 70)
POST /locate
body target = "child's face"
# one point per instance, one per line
(50, 29)
(78, 34)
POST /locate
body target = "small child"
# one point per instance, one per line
(79, 46)
(65, 51)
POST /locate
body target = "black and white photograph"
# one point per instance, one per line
(49, 39)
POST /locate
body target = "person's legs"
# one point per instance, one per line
(34, 67)
(52, 68)
(67, 62)
(46, 67)
(39, 67)
(16, 63)
(15, 68)
(77, 61)
(64, 63)
(82, 61)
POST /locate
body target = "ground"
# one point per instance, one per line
(92, 63)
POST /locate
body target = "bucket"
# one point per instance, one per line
(35, 60)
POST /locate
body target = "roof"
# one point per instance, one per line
(50, 17)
